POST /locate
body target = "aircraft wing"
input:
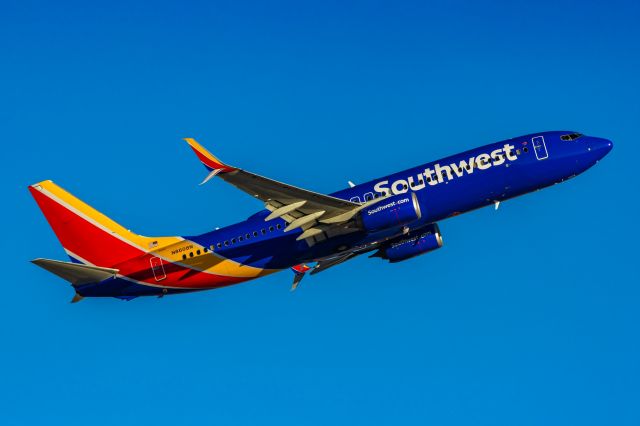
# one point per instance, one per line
(322, 264)
(313, 212)
(336, 259)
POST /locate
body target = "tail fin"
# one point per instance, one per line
(87, 235)
(211, 162)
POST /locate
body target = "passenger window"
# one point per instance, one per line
(198, 252)
(271, 229)
(255, 233)
(184, 257)
(219, 245)
(355, 199)
(240, 238)
(233, 241)
(205, 249)
(368, 196)
(526, 149)
(247, 236)
(190, 254)
(264, 231)
(226, 243)
(278, 226)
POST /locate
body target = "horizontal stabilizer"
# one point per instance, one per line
(76, 273)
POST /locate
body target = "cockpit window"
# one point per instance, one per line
(571, 137)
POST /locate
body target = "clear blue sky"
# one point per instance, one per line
(527, 316)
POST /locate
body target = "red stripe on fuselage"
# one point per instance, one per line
(139, 269)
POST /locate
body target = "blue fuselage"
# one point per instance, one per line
(444, 188)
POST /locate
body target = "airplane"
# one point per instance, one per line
(394, 218)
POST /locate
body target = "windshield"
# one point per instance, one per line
(571, 137)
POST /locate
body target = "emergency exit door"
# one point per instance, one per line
(157, 268)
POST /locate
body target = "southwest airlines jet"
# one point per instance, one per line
(393, 218)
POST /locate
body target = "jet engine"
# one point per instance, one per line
(394, 211)
(416, 243)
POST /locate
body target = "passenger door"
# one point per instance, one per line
(540, 148)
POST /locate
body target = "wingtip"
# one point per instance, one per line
(210, 161)
(210, 176)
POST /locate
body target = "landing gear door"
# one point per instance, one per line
(540, 148)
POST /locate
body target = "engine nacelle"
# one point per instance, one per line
(395, 211)
(415, 244)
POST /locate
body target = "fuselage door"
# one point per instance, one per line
(540, 148)
(157, 268)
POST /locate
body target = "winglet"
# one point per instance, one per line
(211, 162)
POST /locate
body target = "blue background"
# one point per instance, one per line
(527, 316)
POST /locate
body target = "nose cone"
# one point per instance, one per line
(600, 147)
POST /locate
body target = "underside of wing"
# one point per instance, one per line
(327, 262)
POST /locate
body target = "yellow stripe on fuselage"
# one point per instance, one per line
(208, 261)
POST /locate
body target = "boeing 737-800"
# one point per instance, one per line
(393, 217)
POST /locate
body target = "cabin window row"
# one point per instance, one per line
(239, 239)
(197, 253)
(247, 236)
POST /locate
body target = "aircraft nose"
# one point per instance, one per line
(601, 146)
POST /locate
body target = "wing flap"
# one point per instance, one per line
(309, 233)
(328, 263)
(301, 221)
(283, 209)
